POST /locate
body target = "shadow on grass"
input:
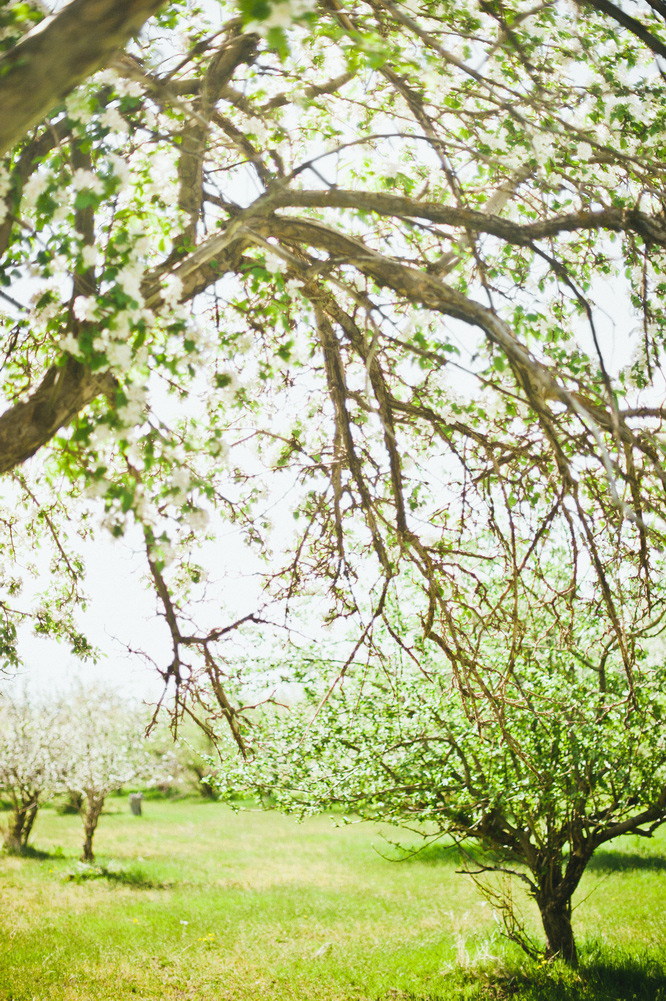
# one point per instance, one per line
(616, 979)
(620, 861)
(35, 853)
(641, 979)
(440, 853)
(132, 875)
(600, 978)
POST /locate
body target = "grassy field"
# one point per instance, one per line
(202, 903)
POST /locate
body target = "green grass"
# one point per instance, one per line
(192, 901)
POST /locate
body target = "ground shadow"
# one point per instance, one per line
(29, 852)
(635, 979)
(620, 861)
(133, 876)
(441, 853)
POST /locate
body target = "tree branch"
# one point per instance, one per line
(58, 54)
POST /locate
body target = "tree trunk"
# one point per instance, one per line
(20, 825)
(30, 815)
(556, 919)
(93, 809)
(12, 840)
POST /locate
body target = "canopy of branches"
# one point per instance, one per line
(402, 262)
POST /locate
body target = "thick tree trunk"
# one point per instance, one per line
(30, 815)
(12, 839)
(556, 920)
(20, 826)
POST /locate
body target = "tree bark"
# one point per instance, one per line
(63, 393)
(30, 815)
(12, 838)
(91, 815)
(556, 919)
(20, 826)
(58, 54)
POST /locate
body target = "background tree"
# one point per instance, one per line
(32, 753)
(393, 226)
(106, 751)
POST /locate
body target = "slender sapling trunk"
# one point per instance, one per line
(92, 809)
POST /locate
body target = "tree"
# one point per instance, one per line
(106, 750)
(373, 240)
(31, 765)
(558, 770)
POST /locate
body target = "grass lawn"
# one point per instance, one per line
(208, 904)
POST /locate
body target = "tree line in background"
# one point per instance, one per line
(81, 747)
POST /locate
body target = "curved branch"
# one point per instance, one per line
(651, 228)
(58, 54)
(62, 394)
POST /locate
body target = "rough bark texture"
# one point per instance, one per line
(58, 54)
(20, 826)
(556, 920)
(63, 393)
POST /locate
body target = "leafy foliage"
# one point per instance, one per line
(541, 776)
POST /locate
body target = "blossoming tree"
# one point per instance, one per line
(378, 242)
(106, 750)
(32, 763)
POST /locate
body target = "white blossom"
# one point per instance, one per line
(96, 488)
(584, 151)
(36, 184)
(70, 344)
(119, 354)
(129, 280)
(120, 169)
(274, 263)
(5, 182)
(77, 105)
(128, 88)
(172, 290)
(197, 519)
(256, 127)
(86, 180)
(180, 479)
(131, 412)
(85, 308)
(90, 255)
(113, 120)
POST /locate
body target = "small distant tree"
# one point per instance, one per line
(540, 778)
(31, 763)
(106, 751)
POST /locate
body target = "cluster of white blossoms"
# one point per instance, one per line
(90, 255)
(275, 263)
(36, 185)
(123, 86)
(87, 180)
(255, 127)
(113, 120)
